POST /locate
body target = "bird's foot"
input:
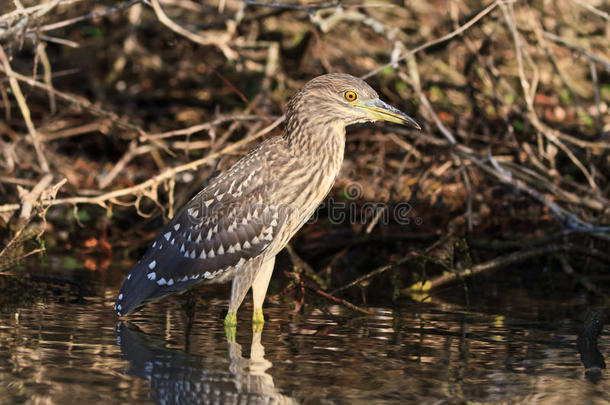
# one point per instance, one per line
(230, 332)
(258, 320)
(231, 326)
(231, 319)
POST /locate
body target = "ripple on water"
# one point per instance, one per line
(73, 352)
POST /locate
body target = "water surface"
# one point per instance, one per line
(72, 349)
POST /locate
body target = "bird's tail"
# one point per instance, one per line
(139, 288)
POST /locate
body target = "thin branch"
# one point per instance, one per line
(374, 273)
(152, 183)
(85, 17)
(341, 301)
(218, 39)
(506, 260)
(25, 111)
(436, 41)
(563, 42)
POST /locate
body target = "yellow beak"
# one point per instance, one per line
(378, 110)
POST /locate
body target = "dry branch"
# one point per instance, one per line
(492, 93)
(504, 261)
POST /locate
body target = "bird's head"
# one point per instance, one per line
(339, 97)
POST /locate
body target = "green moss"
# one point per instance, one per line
(437, 93)
(585, 119)
(92, 31)
(297, 39)
(605, 91)
(83, 215)
(565, 96)
(387, 70)
(518, 125)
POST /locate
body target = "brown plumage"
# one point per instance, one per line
(234, 227)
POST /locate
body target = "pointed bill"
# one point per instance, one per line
(379, 110)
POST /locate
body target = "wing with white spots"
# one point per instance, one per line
(221, 229)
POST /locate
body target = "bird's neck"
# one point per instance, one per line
(319, 149)
(320, 143)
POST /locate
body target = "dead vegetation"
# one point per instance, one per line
(111, 110)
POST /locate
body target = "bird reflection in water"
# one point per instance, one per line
(177, 377)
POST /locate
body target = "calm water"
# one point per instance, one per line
(71, 350)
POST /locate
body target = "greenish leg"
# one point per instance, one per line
(258, 320)
(257, 316)
(231, 319)
(231, 326)
(259, 289)
(230, 332)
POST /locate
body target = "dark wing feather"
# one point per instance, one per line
(222, 228)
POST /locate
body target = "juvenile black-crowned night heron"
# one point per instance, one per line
(234, 227)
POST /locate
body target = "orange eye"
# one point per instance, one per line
(350, 96)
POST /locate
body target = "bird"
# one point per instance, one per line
(180, 377)
(233, 228)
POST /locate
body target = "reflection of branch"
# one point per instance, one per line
(591, 357)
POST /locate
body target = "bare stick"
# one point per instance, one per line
(444, 38)
(19, 26)
(133, 151)
(152, 183)
(374, 273)
(30, 199)
(25, 111)
(90, 16)
(592, 9)
(147, 186)
(561, 41)
(206, 126)
(529, 91)
(341, 301)
(75, 100)
(218, 39)
(504, 261)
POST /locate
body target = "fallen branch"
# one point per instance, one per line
(504, 261)
(374, 273)
(341, 301)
